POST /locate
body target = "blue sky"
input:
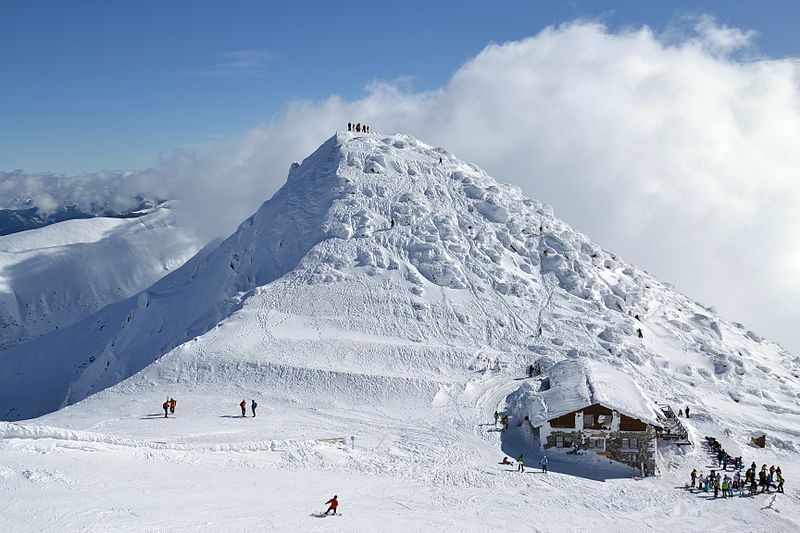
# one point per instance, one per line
(106, 84)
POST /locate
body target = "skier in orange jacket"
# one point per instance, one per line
(243, 405)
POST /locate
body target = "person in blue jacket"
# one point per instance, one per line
(253, 406)
(543, 463)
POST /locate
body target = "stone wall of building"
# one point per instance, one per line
(642, 454)
(578, 442)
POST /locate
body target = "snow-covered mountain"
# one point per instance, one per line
(439, 257)
(393, 293)
(56, 275)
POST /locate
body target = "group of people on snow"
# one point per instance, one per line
(521, 463)
(253, 405)
(716, 482)
(360, 128)
(170, 403)
(521, 458)
(169, 406)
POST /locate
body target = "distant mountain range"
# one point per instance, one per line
(30, 201)
(16, 220)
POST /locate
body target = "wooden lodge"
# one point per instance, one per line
(588, 407)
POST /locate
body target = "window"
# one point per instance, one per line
(598, 444)
(634, 442)
(567, 442)
(626, 443)
(559, 441)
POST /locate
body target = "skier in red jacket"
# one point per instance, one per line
(334, 504)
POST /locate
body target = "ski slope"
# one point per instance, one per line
(385, 296)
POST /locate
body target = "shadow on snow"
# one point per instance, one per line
(517, 440)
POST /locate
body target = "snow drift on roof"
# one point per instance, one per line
(581, 382)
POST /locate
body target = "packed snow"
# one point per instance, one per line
(379, 308)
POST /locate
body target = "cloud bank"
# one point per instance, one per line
(676, 150)
(91, 193)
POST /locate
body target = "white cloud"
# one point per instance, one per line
(113, 190)
(722, 39)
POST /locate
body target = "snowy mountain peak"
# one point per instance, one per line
(386, 270)
(379, 308)
(398, 199)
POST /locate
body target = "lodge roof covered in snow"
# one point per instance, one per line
(579, 383)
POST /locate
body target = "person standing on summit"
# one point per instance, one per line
(243, 405)
(165, 405)
(253, 406)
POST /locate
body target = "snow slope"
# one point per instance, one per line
(382, 295)
(53, 276)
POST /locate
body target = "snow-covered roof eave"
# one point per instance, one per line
(580, 383)
(540, 420)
